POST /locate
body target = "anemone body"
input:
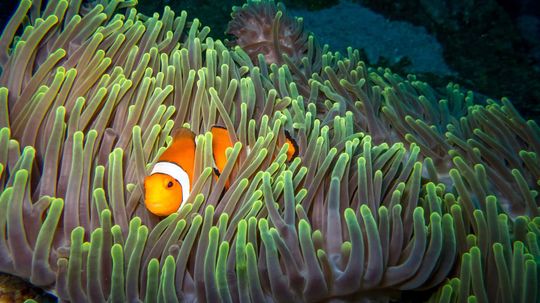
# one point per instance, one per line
(397, 189)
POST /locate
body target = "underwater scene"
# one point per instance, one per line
(259, 151)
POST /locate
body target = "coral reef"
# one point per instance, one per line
(396, 190)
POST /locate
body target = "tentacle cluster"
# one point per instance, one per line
(261, 27)
(396, 189)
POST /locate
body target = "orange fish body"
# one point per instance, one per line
(220, 143)
(170, 182)
(292, 150)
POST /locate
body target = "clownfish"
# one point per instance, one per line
(169, 183)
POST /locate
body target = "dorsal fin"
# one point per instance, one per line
(182, 150)
(183, 133)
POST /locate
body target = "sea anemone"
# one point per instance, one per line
(397, 188)
(262, 27)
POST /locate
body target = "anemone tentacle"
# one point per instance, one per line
(396, 189)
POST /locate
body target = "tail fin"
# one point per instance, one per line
(292, 151)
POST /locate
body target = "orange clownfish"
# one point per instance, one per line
(170, 182)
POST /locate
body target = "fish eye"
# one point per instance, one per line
(170, 184)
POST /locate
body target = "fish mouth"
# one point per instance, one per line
(155, 207)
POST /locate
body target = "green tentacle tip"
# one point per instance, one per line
(29, 151)
(5, 132)
(77, 233)
(304, 226)
(346, 248)
(418, 214)
(350, 214)
(365, 211)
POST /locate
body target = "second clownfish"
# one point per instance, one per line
(169, 184)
